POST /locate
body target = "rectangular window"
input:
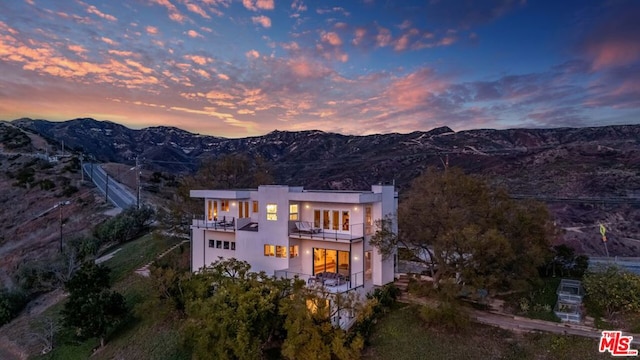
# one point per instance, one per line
(281, 251)
(226, 245)
(255, 206)
(293, 212)
(368, 270)
(233, 245)
(224, 204)
(218, 244)
(246, 209)
(272, 212)
(326, 221)
(345, 221)
(269, 250)
(240, 208)
(335, 220)
(316, 219)
(368, 220)
(212, 243)
(293, 251)
(210, 210)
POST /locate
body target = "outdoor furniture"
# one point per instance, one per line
(330, 278)
(306, 227)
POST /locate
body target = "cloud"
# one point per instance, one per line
(151, 30)
(93, 10)
(198, 59)
(252, 54)
(78, 49)
(331, 38)
(108, 41)
(174, 13)
(223, 77)
(194, 8)
(262, 20)
(255, 5)
(193, 34)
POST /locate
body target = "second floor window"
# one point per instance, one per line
(272, 212)
(293, 212)
(224, 204)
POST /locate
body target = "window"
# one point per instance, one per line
(233, 245)
(325, 220)
(368, 220)
(368, 271)
(255, 206)
(215, 210)
(226, 245)
(269, 250)
(272, 212)
(224, 205)
(210, 210)
(281, 251)
(335, 220)
(240, 208)
(246, 209)
(293, 212)
(330, 260)
(316, 219)
(345, 221)
(218, 244)
(293, 251)
(212, 243)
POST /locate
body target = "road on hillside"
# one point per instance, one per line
(117, 194)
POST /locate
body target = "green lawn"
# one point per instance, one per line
(149, 333)
(401, 336)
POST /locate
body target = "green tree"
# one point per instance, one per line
(233, 313)
(92, 308)
(311, 331)
(612, 290)
(476, 237)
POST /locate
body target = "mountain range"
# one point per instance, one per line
(587, 175)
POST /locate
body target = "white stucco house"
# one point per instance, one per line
(318, 236)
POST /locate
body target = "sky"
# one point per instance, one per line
(237, 68)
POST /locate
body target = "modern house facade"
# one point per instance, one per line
(317, 236)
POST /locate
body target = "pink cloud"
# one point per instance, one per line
(614, 53)
(223, 77)
(200, 60)
(193, 34)
(262, 20)
(252, 54)
(174, 14)
(78, 49)
(93, 10)
(151, 30)
(108, 41)
(255, 5)
(194, 8)
(414, 89)
(331, 38)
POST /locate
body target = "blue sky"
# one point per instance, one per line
(239, 68)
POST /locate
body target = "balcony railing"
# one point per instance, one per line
(336, 286)
(226, 223)
(306, 230)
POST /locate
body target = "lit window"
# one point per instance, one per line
(345, 221)
(293, 212)
(224, 204)
(272, 212)
(269, 250)
(210, 210)
(281, 251)
(293, 251)
(255, 206)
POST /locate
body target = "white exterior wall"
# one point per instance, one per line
(250, 244)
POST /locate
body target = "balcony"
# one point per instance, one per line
(305, 230)
(227, 224)
(335, 286)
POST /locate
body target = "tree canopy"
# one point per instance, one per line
(612, 290)
(472, 236)
(92, 308)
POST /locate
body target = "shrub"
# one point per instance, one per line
(11, 302)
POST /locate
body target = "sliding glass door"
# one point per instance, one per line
(328, 260)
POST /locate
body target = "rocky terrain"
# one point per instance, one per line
(587, 175)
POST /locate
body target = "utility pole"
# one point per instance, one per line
(106, 189)
(138, 183)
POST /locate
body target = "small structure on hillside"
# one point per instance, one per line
(569, 305)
